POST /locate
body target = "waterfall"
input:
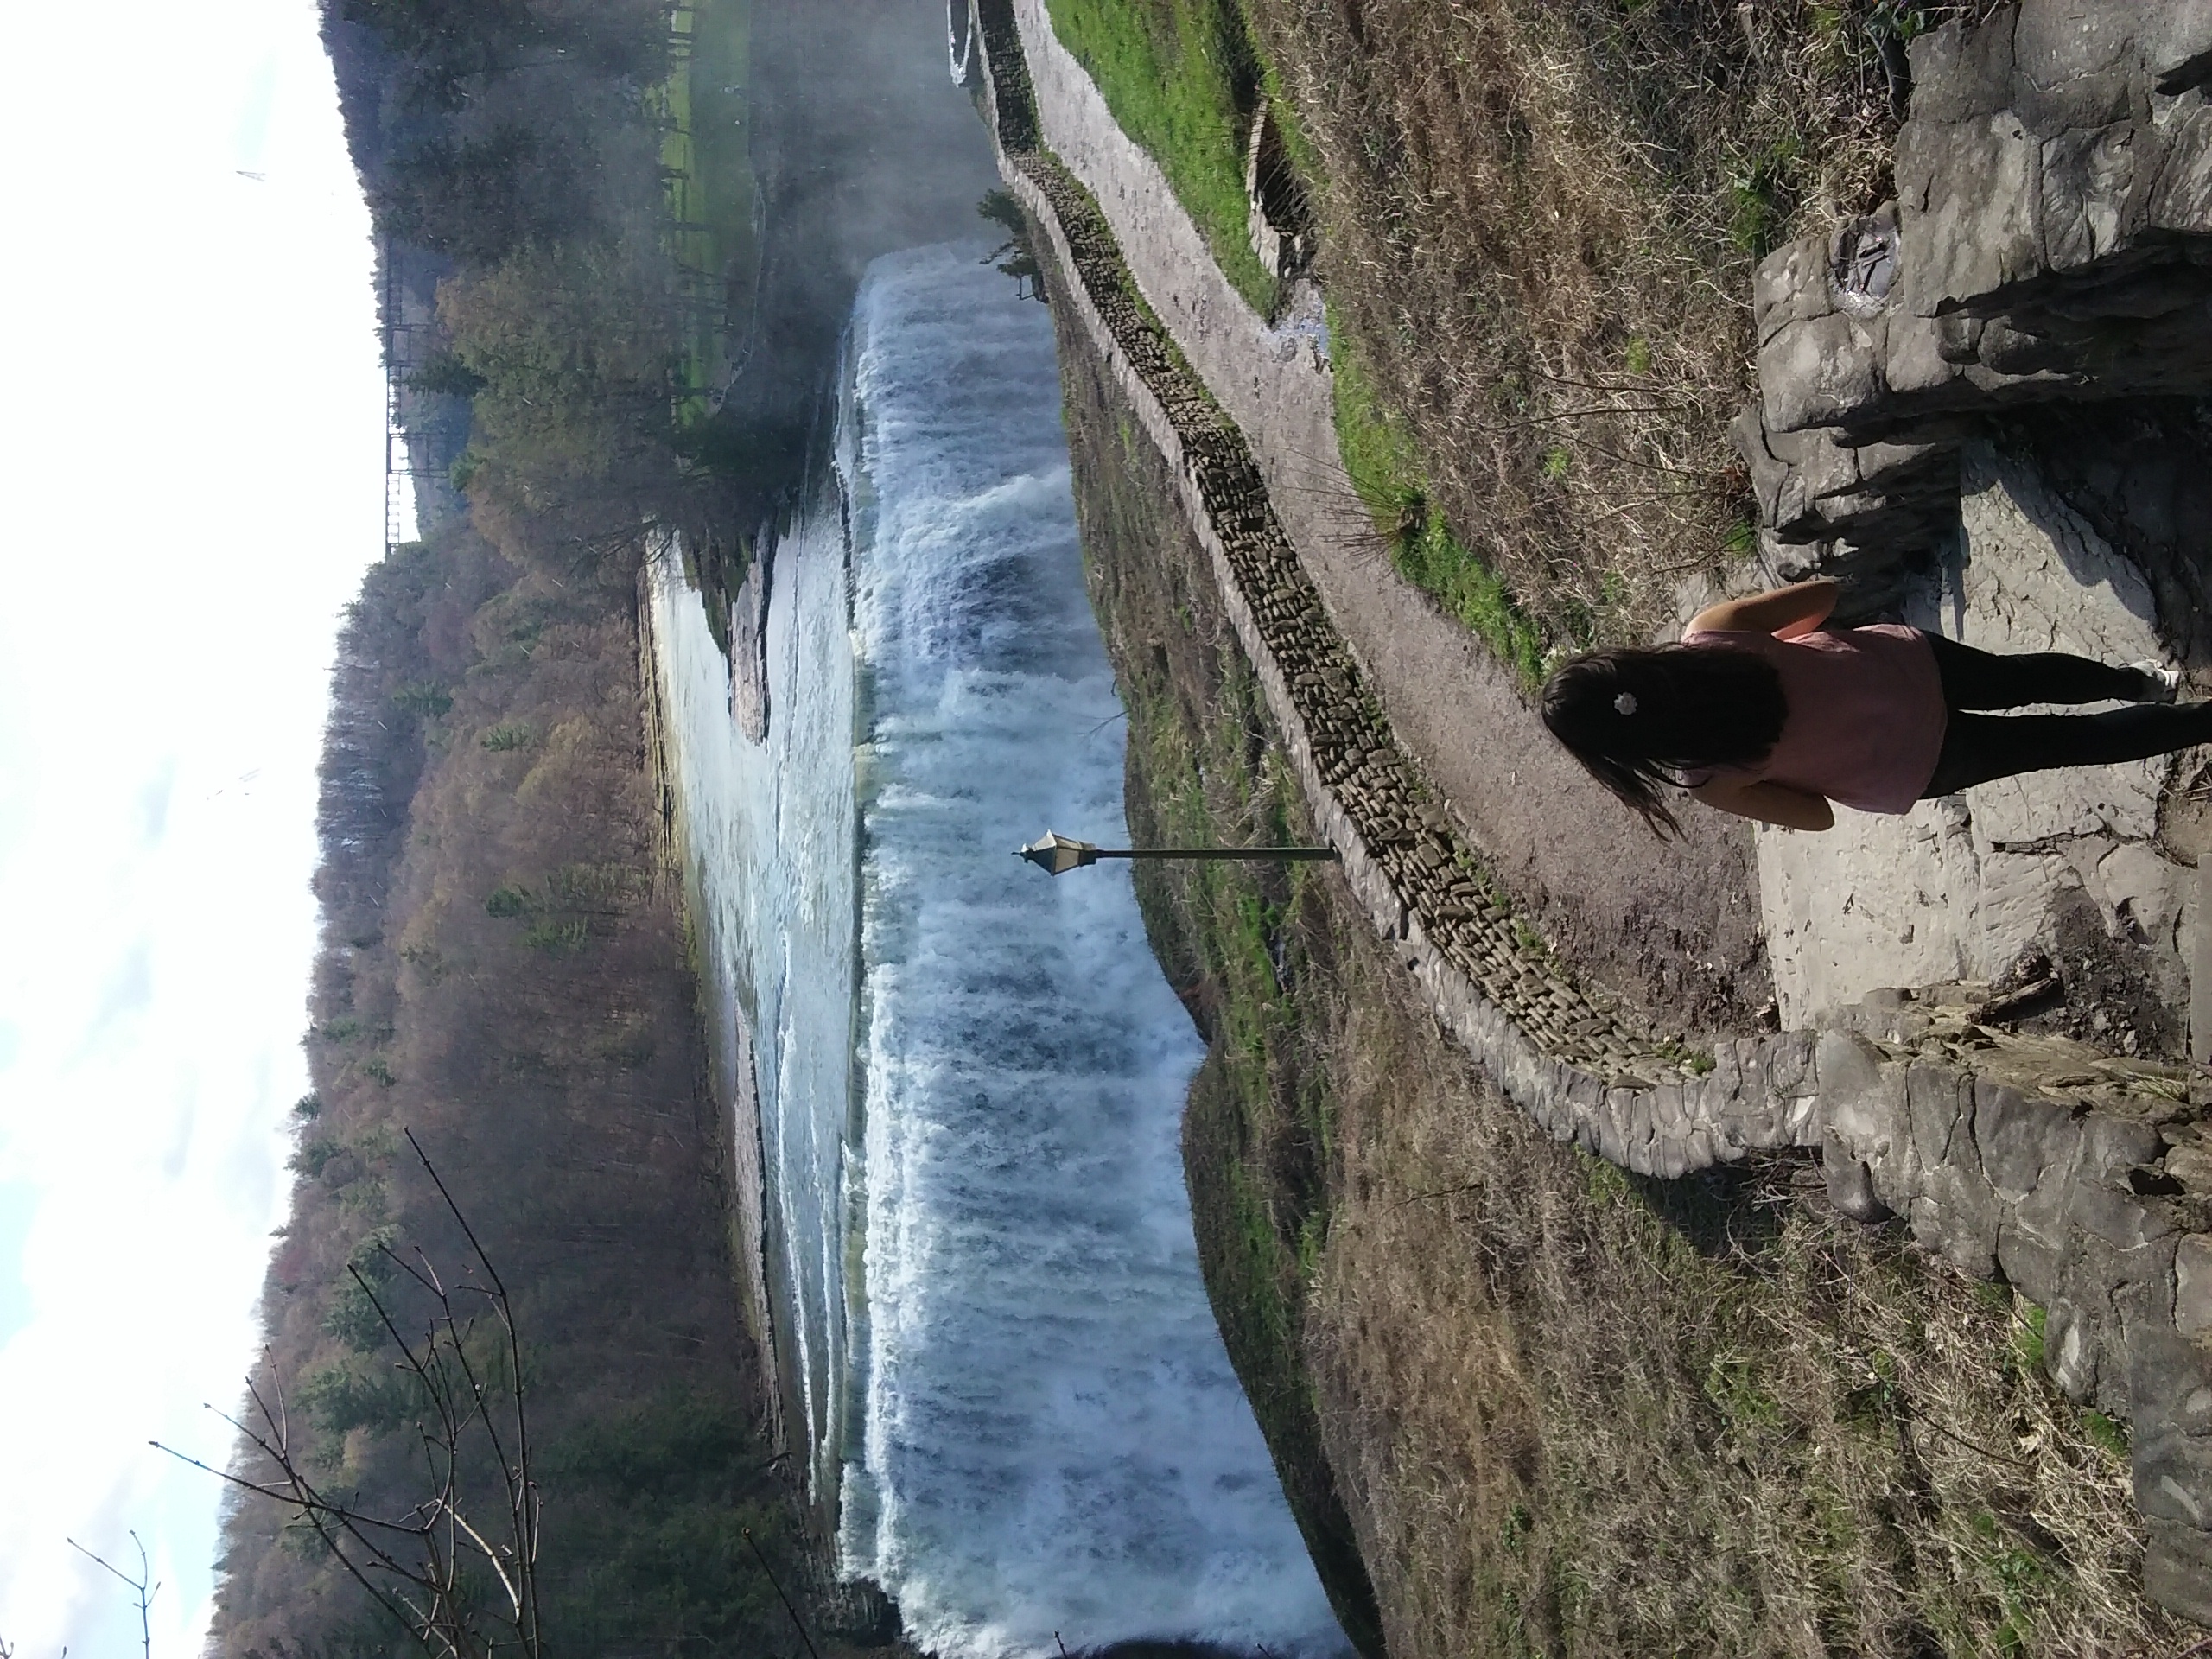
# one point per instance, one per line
(1051, 1436)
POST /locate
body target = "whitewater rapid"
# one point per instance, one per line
(1039, 1433)
(768, 832)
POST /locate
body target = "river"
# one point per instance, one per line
(1004, 1376)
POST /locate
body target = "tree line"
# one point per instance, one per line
(503, 975)
(512, 153)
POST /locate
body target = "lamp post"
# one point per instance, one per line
(1056, 855)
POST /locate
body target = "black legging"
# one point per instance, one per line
(1977, 749)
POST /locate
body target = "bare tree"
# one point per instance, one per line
(424, 1566)
(138, 1587)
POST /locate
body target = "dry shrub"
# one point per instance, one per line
(1540, 219)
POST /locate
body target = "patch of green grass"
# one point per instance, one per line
(1696, 1062)
(1518, 1524)
(1605, 1182)
(1761, 197)
(1733, 1383)
(1178, 75)
(1378, 454)
(705, 152)
(557, 938)
(2113, 1436)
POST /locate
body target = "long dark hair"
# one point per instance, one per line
(1636, 717)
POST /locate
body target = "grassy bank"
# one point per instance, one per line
(1538, 227)
(1386, 469)
(1182, 79)
(1538, 1406)
(711, 187)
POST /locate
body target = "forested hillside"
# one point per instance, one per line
(524, 161)
(504, 975)
(603, 326)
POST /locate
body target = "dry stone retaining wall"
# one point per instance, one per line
(2076, 1206)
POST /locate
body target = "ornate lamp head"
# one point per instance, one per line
(1056, 855)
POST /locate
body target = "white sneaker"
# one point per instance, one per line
(2167, 682)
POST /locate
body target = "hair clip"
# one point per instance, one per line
(1624, 703)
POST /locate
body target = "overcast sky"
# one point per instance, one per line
(194, 458)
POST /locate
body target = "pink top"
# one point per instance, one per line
(1866, 714)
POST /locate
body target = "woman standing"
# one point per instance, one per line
(1762, 712)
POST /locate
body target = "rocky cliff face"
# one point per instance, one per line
(2050, 245)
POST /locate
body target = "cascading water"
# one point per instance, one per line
(1046, 1435)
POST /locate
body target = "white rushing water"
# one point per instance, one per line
(768, 831)
(1046, 1436)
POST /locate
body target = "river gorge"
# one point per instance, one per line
(997, 1357)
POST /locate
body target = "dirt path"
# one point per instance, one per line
(1674, 929)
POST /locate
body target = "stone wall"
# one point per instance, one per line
(2087, 1214)
(1992, 1168)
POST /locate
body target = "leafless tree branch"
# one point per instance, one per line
(137, 1585)
(418, 1566)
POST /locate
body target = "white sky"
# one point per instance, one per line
(195, 463)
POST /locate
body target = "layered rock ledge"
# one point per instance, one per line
(2050, 242)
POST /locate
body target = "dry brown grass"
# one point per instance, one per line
(1540, 219)
(1589, 1417)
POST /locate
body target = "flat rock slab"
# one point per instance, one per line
(1958, 887)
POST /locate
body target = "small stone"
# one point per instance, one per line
(2069, 1354)
(2190, 1163)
